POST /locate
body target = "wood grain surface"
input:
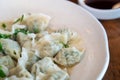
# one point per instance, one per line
(112, 28)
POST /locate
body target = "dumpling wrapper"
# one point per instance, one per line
(68, 56)
(7, 61)
(36, 22)
(48, 47)
(11, 48)
(46, 69)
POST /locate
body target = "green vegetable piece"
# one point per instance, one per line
(36, 30)
(5, 36)
(65, 45)
(22, 17)
(4, 25)
(21, 30)
(2, 74)
(19, 19)
(1, 49)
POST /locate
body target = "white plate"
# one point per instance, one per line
(66, 14)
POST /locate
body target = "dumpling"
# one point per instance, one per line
(21, 66)
(1, 54)
(73, 39)
(46, 69)
(24, 58)
(62, 38)
(42, 67)
(7, 61)
(36, 22)
(32, 58)
(47, 46)
(67, 33)
(20, 71)
(22, 38)
(11, 48)
(40, 35)
(57, 75)
(17, 78)
(68, 56)
(26, 41)
(77, 42)
(45, 65)
(32, 36)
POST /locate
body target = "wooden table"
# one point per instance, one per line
(112, 28)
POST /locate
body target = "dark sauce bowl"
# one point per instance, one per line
(101, 9)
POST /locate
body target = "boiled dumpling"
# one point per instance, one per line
(20, 71)
(17, 78)
(47, 46)
(32, 58)
(45, 65)
(68, 56)
(62, 38)
(77, 42)
(7, 61)
(1, 54)
(46, 69)
(57, 75)
(21, 66)
(36, 23)
(22, 38)
(11, 48)
(68, 34)
(40, 35)
(42, 67)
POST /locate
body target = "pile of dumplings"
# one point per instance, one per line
(30, 50)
